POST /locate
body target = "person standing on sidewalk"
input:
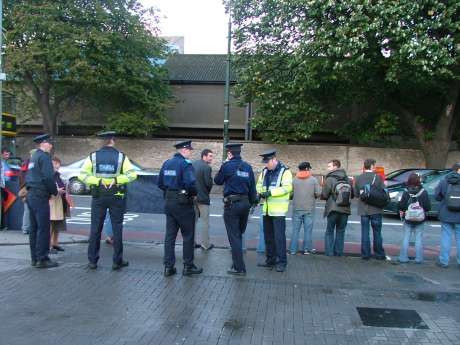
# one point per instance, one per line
(306, 190)
(414, 206)
(177, 181)
(40, 186)
(448, 193)
(23, 194)
(239, 194)
(274, 187)
(203, 173)
(371, 215)
(107, 172)
(338, 193)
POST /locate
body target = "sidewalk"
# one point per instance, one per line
(314, 302)
(14, 237)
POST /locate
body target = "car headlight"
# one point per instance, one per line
(395, 195)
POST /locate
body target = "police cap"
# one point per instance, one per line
(42, 138)
(233, 147)
(267, 155)
(304, 166)
(184, 144)
(107, 134)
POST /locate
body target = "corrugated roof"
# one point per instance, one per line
(197, 68)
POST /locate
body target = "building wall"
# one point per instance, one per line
(152, 153)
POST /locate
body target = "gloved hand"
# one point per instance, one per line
(265, 194)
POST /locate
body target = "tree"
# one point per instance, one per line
(103, 49)
(401, 57)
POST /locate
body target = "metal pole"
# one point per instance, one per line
(227, 88)
(1, 86)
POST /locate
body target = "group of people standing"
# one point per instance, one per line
(187, 186)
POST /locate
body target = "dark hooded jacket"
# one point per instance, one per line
(446, 215)
(423, 199)
(328, 189)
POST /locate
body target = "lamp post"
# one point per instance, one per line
(227, 87)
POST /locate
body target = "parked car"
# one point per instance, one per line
(430, 181)
(71, 171)
(400, 176)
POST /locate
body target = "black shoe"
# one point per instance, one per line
(46, 264)
(58, 248)
(196, 246)
(265, 264)
(381, 258)
(280, 268)
(91, 266)
(170, 271)
(190, 270)
(33, 263)
(118, 266)
(235, 272)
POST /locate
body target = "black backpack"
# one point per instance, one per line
(342, 192)
(453, 197)
(374, 195)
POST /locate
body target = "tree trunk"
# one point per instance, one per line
(436, 152)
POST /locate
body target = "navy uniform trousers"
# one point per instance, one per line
(275, 240)
(39, 235)
(179, 216)
(236, 216)
(116, 206)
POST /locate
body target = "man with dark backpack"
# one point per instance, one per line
(448, 193)
(372, 198)
(337, 192)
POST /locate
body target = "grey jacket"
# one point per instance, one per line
(363, 179)
(204, 182)
(305, 191)
(327, 193)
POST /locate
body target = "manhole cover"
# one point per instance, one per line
(397, 318)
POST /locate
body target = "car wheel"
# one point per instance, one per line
(76, 186)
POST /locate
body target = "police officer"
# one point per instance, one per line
(40, 186)
(177, 180)
(239, 194)
(107, 172)
(274, 187)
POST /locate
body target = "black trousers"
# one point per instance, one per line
(39, 236)
(275, 239)
(99, 205)
(179, 216)
(236, 218)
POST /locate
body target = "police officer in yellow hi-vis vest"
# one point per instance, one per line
(274, 187)
(107, 172)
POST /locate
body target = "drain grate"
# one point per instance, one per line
(396, 318)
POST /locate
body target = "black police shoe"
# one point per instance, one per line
(118, 266)
(170, 271)
(280, 268)
(190, 270)
(46, 264)
(266, 264)
(234, 272)
(91, 265)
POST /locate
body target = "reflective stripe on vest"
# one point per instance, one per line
(278, 180)
(101, 175)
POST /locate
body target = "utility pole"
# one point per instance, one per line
(227, 88)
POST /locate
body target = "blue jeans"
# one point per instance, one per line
(336, 223)
(417, 229)
(374, 220)
(261, 240)
(108, 225)
(446, 235)
(300, 217)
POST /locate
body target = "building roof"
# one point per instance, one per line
(197, 69)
